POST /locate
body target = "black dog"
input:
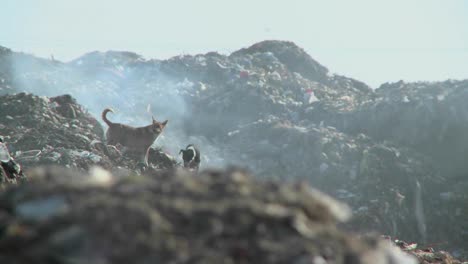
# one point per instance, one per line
(191, 157)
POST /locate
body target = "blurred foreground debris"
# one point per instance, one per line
(63, 216)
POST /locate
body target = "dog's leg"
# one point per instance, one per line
(145, 157)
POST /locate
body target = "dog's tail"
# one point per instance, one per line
(104, 113)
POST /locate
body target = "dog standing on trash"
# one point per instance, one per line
(136, 139)
(191, 157)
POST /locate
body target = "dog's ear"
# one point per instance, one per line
(154, 120)
(164, 123)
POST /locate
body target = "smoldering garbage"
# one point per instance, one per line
(270, 107)
(58, 131)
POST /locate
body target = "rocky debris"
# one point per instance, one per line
(173, 217)
(10, 171)
(59, 131)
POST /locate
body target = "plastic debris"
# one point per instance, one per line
(376, 143)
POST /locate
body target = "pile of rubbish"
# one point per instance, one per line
(396, 154)
(431, 118)
(172, 217)
(387, 186)
(269, 78)
(58, 131)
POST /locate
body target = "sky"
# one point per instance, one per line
(374, 41)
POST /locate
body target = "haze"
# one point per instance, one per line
(373, 41)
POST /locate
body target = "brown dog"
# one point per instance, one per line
(136, 139)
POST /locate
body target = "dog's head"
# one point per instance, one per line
(157, 127)
(189, 154)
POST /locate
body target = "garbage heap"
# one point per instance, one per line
(430, 117)
(269, 78)
(58, 131)
(395, 154)
(217, 92)
(227, 216)
(388, 186)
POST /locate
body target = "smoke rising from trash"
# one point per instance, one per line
(132, 86)
(274, 108)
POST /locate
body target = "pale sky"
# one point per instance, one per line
(371, 40)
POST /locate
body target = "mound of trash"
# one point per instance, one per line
(58, 131)
(396, 154)
(431, 118)
(387, 186)
(63, 216)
